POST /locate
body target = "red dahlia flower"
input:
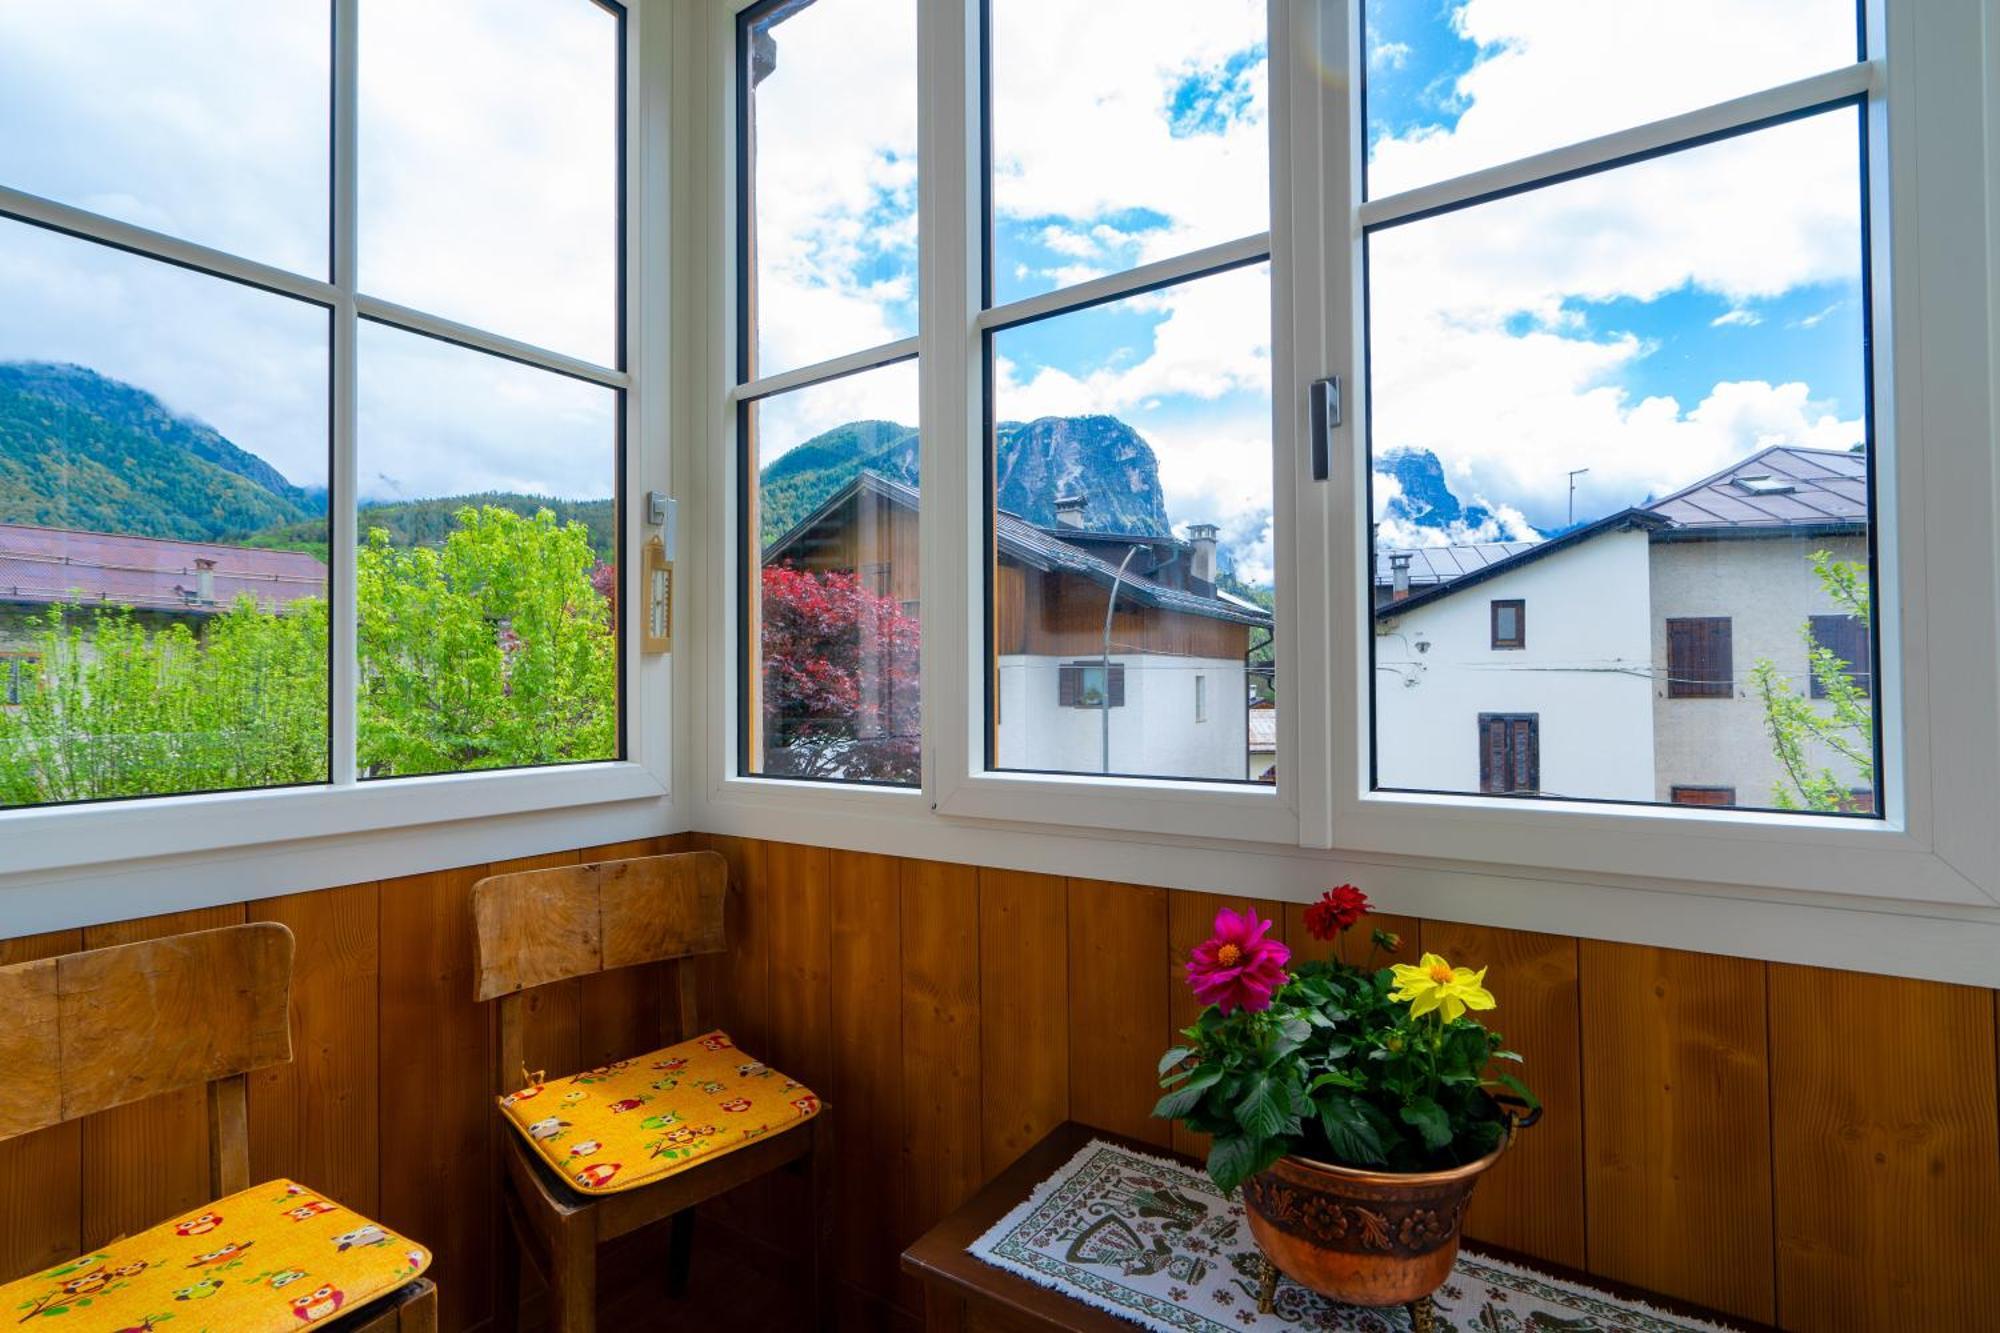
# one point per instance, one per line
(1337, 909)
(1238, 968)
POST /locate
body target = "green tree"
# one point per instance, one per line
(1803, 735)
(492, 650)
(115, 711)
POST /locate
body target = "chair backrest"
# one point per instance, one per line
(86, 1031)
(535, 927)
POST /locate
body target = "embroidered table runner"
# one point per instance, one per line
(1155, 1242)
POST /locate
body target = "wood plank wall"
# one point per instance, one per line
(1812, 1148)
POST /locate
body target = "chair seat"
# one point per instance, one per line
(637, 1121)
(275, 1256)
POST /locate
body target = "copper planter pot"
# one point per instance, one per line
(1362, 1237)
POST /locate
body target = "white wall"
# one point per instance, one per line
(1154, 733)
(1767, 588)
(1584, 671)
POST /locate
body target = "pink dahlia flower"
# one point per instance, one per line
(1238, 968)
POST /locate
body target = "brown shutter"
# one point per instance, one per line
(1701, 658)
(1114, 686)
(1527, 755)
(1068, 678)
(1704, 795)
(1846, 637)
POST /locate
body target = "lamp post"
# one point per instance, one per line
(1104, 699)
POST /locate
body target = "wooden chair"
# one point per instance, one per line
(541, 926)
(88, 1031)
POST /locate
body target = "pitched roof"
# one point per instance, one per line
(1442, 564)
(1621, 521)
(43, 566)
(1776, 491)
(1044, 549)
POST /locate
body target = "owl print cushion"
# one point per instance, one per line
(633, 1122)
(276, 1256)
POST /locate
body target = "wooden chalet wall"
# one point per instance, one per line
(1815, 1148)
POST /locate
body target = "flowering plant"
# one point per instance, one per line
(1333, 1060)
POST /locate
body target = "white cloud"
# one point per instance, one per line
(1388, 55)
(1737, 318)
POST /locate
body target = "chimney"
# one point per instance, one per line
(1399, 574)
(204, 581)
(1070, 510)
(1201, 564)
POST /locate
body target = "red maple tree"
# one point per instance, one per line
(841, 694)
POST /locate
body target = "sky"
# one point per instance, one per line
(1652, 323)
(487, 177)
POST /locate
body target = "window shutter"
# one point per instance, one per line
(1527, 761)
(1492, 754)
(1847, 639)
(1114, 688)
(1701, 660)
(1068, 678)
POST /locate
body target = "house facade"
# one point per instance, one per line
(1172, 695)
(1620, 660)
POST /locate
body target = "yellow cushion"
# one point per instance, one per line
(275, 1256)
(628, 1124)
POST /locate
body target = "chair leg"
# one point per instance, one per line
(680, 1253)
(822, 1169)
(507, 1267)
(573, 1278)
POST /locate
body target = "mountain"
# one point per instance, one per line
(1424, 499)
(1098, 457)
(80, 450)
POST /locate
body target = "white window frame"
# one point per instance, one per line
(1913, 893)
(148, 851)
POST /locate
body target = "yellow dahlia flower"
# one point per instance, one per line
(1435, 984)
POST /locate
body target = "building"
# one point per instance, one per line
(1616, 660)
(1177, 687)
(159, 580)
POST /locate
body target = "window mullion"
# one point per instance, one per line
(344, 670)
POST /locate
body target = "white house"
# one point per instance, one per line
(1616, 661)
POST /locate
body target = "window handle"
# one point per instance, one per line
(1325, 417)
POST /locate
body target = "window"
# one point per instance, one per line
(826, 404)
(1201, 698)
(1701, 658)
(1840, 651)
(1127, 330)
(225, 332)
(1090, 685)
(1510, 754)
(1704, 796)
(1633, 375)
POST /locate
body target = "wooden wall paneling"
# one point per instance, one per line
(144, 1162)
(552, 1015)
(315, 1120)
(618, 1012)
(941, 1074)
(41, 1174)
(1023, 1012)
(734, 992)
(801, 1040)
(436, 1088)
(1676, 1123)
(1190, 920)
(1887, 1164)
(1117, 1006)
(866, 1083)
(1532, 1201)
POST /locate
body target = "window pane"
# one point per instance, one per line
(488, 564)
(1638, 401)
(1132, 471)
(163, 556)
(1123, 131)
(1454, 88)
(204, 119)
(489, 166)
(833, 611)
(831, 152)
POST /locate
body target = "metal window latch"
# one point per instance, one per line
(1325, 418)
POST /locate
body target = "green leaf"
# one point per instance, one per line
(1349, 1132)
(1172, 1058)
(1336, 1078)
(1262, 1111)
(1231, 1161)
(1519, 1089)
(1189, 1095)
(1430, 1121)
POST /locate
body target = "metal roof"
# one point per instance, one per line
(1774, 491)
(43, 566)
(1442, 564)
(1576, 536)
(1044, 549)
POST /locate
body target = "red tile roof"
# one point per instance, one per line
(41, 566)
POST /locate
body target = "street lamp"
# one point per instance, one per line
(1104, 695)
